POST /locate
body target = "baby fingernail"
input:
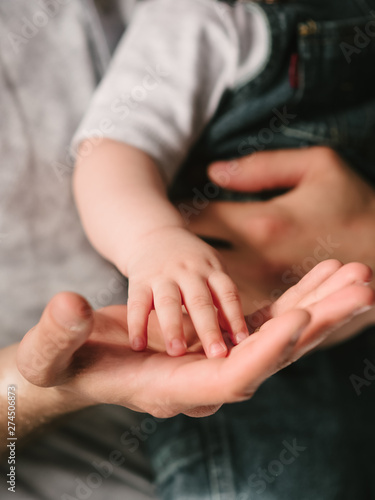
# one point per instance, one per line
(216, 349)
(139, 344)
(241, 336)
(177, 346)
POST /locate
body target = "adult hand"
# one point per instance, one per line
(86, 356)
(329, 211)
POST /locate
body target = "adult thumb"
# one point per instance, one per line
(45, 352)
(262, 171)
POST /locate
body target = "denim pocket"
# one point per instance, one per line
(336, 62)
(335, 98)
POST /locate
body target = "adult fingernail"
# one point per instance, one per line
(362, 310)
(216, 349)
(363, 283)
(241, 336)
(218, 168)
(68, 318)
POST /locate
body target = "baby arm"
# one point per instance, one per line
(123, 205)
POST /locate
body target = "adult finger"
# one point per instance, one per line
(306, 286)
(325, 317)
(349, 274)
(46, 350)
(263, 171)
(322, 281)
(332, 312)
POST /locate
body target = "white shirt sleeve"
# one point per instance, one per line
(170, 71)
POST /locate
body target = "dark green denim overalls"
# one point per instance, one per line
(309, 431)
(318, 88)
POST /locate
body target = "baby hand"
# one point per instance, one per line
(170, 268)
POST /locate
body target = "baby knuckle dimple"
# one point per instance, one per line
(215, 264)
(186, 266)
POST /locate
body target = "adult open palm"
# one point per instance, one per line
(86, 354)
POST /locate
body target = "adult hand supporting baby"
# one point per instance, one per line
(76, 357)
(329, 211)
